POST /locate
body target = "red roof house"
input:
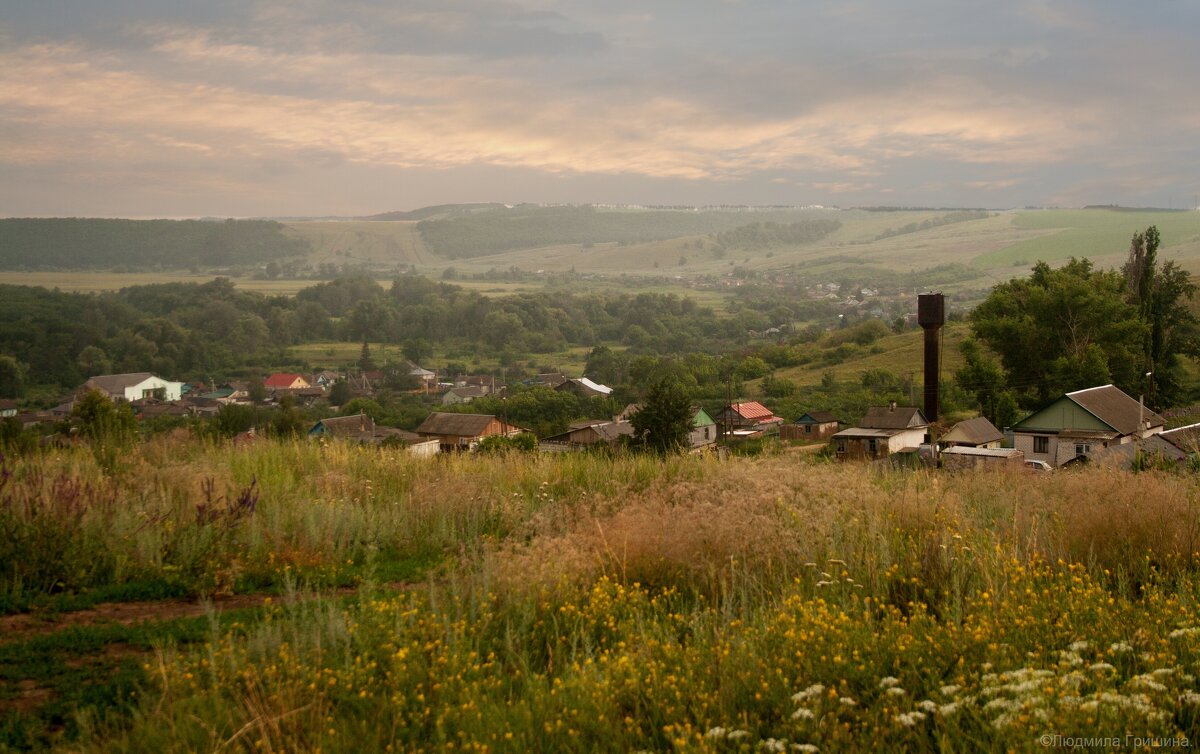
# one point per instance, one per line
(747, 415)
(285, 381)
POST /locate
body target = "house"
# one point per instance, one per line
(702, 435)
(584, 388)
(459, 395)
(972, 457)
(362, 429)
(973, 433)
(1185, 438)
(1155, 450)
(746, 419)
(814, 425)
(588, 433)
(550, 379)
(285, 381)
(8, 408)
(464, 431)
(426, 379)
(489, 383)
(1082, 422)
(324, 378)
(883, 431)
(130, 387)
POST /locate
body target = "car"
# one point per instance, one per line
(1038, 466)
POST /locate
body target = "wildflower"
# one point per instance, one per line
(950, 690)
(1190, 697)
(1180, 633)
(774, 744)
(717, 732)
(737, 735)
(805, 748)
(928, 706)
(1120, 647)
(802, 713)
(1079, 646)
(948, 709)
(814, 690)
(888, 682)
(895, 691)
(909, 719)
(846, 701)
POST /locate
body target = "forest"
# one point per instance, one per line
(137, 245)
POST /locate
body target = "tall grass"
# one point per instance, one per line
(586, 603)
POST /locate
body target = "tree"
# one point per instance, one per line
(100, 420)
(256, 391)
(981, 376)
(339, 393)
(365, 362)
(663, 422)
(1161, 297)
(1063, 329)
(13, 374)
(417, 349)
(93, 361)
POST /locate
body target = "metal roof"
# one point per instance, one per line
(1116, 409)
(894, 417)
(977, 431)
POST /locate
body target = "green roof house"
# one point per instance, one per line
(1082, 423)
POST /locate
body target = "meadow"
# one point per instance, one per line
(361, 600)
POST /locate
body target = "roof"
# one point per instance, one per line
(1115, 408)
(752, 410)
(281, 379)
(977, 431)
(605, 389)
(419, 372)
(962, 450)
(869, 432)
(342, 426)
(470, 391)
(701, 418)
(1185, 438)
(1152, 446)
(117, 383)
(893, 417)
(817, 417)
(553, 379)
(459, 425)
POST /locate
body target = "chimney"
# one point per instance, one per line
(931, 315)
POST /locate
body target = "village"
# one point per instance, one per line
(1096, 424)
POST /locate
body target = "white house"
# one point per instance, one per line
(883, 431)
(135, 386)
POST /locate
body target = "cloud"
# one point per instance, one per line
(846, 100)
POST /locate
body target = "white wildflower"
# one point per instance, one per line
(1145, 682)
(948, 709)
(1180, 633)
(1121, 647)
(888, 682)
(950, 690)
(717, 732)
(774, 744)
(846, 701)
(1102, 666)
(928, 706)
(1163, 672)
(1190, 697)
(909, 719)
(895, 691)
(736, 735)
(824, 583)
(805, 748)
(1079, 646)
(814, 690)
(802, 714)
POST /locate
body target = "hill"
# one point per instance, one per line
(86, 243)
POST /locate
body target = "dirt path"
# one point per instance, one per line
(23, 626)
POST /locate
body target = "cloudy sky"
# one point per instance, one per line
(172, 108)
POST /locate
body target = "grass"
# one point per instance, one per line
(899, 354)
(342, 354)
(1101, 235)
(99, 282)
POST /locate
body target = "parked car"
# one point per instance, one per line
(1038, 466)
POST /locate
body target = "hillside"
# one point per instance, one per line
(82, 243)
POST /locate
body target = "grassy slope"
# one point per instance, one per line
(899, 354)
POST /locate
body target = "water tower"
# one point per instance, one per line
(931, 315)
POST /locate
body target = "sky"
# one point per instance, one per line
(177, 108)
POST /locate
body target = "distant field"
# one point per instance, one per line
(364, 242)
(340, 354)
(1098, 234)
(97, 282)
(900, 354)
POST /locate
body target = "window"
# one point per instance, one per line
(1041, 445)
(1083, 449)
(872, 446)
(841, 446)
(706, 433)
(808, 429)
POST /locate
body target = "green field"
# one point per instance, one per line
(340, 355)
(900, 354)
(366, 601)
